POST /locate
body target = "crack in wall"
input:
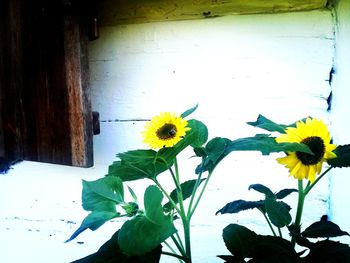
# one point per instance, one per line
(126, 120)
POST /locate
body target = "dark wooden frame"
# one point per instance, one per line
(44, 90)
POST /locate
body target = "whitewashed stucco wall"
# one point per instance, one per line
(234, 67)
(340, 180)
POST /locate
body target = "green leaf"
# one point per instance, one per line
(102, 194)
(266, 124)
(195, 137)
(328, 251)
(215, 151)
(239, 240)
(188, 112)
(187, 190)
(93, 221)
(266, 145)
(285, 192)
(132, 193)
(323, 229)
(200, 151)
(200, 131)
(110, 252)
(152, 201)
(343, 157)
(240, 205)
(277, 212)
(100, 197)
(273, 249)
(145, 232)
(138, 164)
(262, 189)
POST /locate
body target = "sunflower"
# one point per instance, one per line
(314, 133)
(164, 130)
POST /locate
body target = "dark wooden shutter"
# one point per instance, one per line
(44, 91)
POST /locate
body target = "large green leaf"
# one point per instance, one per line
(93, 221)
(240, 205)
(273, 249)
(218, 148)
(111, 253)
(100, 197)
(102, 194)
(262, 189)
(244, 243)
(200, 131)
(266, 124)
(239, 240)
(323, 229)
(285, 192)
(343, 156)
(215, 151)
(266, 145)
(277, 212)
(328, 251)
(138, 164)
(187, 190)
(145, 232)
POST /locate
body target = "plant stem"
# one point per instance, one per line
(180, 241)
(180, 200)
(280, 232)
(194, 193)
(301, 198)
(269, 223)
(186, 226)
(190, 213)
(174, 255)
(179, 246)
(167, 195)
(310, 186)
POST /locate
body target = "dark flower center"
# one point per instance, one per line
(167, 131)
(317, 146)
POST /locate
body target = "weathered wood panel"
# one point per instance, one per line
(45, 103)
(114, 12)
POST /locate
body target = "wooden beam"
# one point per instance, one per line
(113, 12)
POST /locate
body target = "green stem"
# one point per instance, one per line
(301, 199)
(310, 186)
(194, 193)
(176, 179)
(180, 241)
(184, 218)
(269, 223)
(178, 245)
(280, 232)
(174, 255)
(190, 213)
(166, 194)
(181, 211)
(187, 233)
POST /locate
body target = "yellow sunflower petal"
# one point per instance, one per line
(164, 130)
(314, 133)
(312, 173)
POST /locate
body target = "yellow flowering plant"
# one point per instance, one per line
(247, 246)
(149, 230)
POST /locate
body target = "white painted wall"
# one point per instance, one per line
(340, 180)
(235, 67)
